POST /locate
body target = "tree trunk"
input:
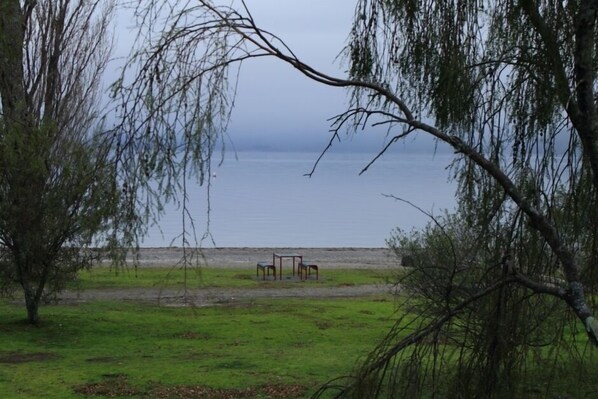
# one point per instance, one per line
(32, 304)
(32, 310)
(33, 278)
(11, 62)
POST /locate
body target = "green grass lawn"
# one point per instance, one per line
(136, 349)
(139, 350)
(168, 277)
(261, 348)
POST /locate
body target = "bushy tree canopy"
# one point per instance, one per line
(72, 179)
(56, 179)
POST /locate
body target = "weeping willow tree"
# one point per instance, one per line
(510, 86)
(499, 287)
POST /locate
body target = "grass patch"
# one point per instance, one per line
(169, 277)
(265, 348)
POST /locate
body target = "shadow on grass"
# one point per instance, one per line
(20, 357)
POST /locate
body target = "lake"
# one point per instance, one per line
(263, 199)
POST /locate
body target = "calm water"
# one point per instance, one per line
(263, 200)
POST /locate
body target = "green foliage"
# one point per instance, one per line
(56, 197)
(445, 59)
(477, 332)
(58, 175)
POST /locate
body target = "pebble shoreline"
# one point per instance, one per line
(346, 258)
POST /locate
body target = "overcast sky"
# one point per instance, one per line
(278, 108)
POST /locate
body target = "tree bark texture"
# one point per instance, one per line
(11, 62)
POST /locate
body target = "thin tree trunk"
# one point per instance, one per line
(33, 288)
(32, 304)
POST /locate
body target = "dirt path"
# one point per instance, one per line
(215, 296)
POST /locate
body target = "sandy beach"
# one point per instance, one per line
(326, 258)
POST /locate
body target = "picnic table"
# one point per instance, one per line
(282, 255)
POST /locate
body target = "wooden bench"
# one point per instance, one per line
(306, 266)
(265, 266)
